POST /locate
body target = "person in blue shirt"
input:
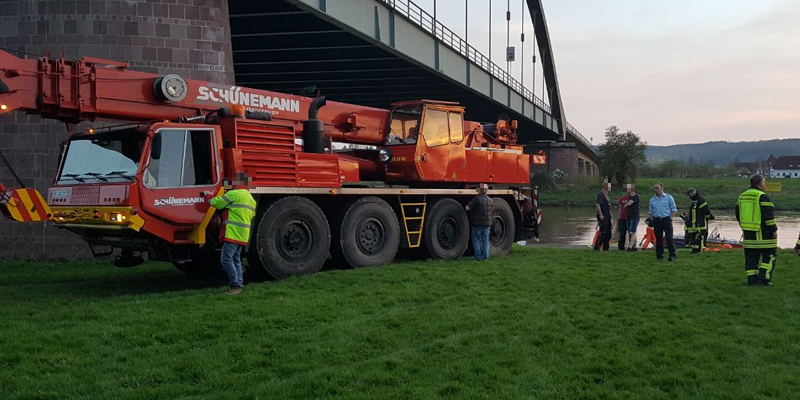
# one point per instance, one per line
(662, 210)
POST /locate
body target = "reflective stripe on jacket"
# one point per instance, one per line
(698, 215)
(241, 209)
(756, 215)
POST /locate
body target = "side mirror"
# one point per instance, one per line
(155, 148)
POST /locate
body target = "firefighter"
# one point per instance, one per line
(240, 208)
(697, 221)
(756, 215)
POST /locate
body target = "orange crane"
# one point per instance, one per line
(355, 182)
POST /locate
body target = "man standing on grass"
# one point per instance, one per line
(756, 215)
(632, 208)
(480, 219)
(697, 221)
(622, 222)
(240, 208)
(662, 210)
(603, 208)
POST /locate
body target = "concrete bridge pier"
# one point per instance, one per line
(564, 157)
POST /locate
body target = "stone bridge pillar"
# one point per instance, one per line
(187, 37)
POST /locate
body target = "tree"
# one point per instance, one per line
(620, 154)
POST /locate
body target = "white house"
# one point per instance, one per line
(785, 167)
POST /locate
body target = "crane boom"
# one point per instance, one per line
(92, 88)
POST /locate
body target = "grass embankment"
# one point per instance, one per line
(721, 193)
(540, 323)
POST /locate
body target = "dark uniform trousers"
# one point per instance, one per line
(759, 265)
(697, 240)
(761, 245)
(662, 227)
(697, 223)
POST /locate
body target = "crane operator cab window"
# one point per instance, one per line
(180, 157)
(404, 128)
(442, 127)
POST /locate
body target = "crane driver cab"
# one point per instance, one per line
(404, 128)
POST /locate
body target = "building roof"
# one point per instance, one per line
(787, 162)
(745, 165)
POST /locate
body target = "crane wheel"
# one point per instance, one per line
(446, 230)
(291, 237)
(365, 234)
(501, 232)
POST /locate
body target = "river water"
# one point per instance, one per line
(575, 226)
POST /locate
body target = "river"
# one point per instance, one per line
(575, 226)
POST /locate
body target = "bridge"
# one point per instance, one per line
(375, 52)
(370, 52)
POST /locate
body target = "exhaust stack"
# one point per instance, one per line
(314, 128)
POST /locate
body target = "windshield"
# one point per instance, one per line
(404, 127)
(105, 157)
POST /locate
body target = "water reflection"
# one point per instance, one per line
(576, 226)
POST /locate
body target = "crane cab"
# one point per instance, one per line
(426, 142)
(111, 183)
(429, 141)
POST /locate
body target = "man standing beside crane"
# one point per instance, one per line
(240, 208)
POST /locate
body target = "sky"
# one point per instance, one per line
(678, 71)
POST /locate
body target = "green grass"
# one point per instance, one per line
(538, 324)
(721, 193)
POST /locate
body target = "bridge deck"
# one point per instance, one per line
(375, 52)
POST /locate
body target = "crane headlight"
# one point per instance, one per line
(385, 155)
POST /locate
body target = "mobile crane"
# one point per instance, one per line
(141, 187)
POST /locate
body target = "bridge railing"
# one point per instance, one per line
(424, 20)
(578, 135)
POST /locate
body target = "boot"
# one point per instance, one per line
(234, 290)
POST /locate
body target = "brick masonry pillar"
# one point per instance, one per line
(560, 156)
(186, 37)
(563, 158)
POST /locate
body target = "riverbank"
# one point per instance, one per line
(540, 323)
(721, 193)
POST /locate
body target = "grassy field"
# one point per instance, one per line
(719, 192)
(538, 324)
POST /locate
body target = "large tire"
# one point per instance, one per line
(365, 234)
(501, 232)
(446, 233)
(291, 237)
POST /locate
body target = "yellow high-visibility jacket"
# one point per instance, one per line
(241, 208)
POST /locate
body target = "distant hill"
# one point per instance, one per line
(723, 153)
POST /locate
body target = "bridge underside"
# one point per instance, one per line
(282, 47)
